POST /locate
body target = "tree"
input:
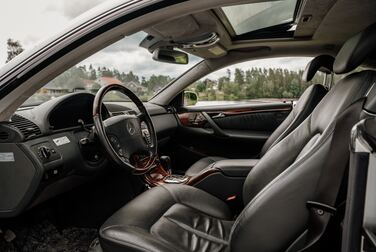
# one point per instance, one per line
(93, 74)
(245, 84)
(156, 82)
(239, 76)
(200, 86)
(228, 71)
(131, 77)
(14, 48)
(143, 81)
(222, 81)
(107, 72)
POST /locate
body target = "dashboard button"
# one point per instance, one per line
(44, 152)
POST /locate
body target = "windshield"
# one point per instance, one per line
(125, 63)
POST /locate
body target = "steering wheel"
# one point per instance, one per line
(126, 137)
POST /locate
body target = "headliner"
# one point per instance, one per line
(331, 22)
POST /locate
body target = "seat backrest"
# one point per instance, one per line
(277, 188)
(306, 103)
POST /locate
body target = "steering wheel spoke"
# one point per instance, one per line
(141, 116)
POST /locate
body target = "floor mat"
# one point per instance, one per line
(46, 237)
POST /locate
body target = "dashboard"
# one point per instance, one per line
(43, 152)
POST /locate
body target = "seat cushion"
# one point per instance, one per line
(169, 218)
(202, 164)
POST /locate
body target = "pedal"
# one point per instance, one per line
(95, 246)
(9, 235)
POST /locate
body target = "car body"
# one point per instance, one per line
(54, 149)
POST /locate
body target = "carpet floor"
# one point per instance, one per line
(45, 236)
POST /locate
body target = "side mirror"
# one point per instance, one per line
(190, 98)
(170, 56)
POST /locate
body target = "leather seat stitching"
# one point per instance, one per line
(189, 206)
(197, 232)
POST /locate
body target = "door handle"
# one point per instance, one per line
(220, 115)
(217, 130)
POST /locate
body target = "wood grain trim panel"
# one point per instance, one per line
(195, 179)
(248, 111)
(197, 120)
(192, 119)
(156, 176)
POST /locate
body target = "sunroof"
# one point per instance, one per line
(251, 17)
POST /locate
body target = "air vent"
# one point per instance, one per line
(128, 112)
(131, 112)
(4, 135)
(117, 113)
(27, 127)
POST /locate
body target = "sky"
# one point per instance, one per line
(30, 21)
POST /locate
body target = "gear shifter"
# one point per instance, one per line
(166, 163)
(171, 178)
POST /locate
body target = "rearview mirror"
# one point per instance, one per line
(190, 98)
(170, 56)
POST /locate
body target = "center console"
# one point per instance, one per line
(223, 179)
(162, 174)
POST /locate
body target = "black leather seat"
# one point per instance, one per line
(169, 218)
(304, 107)
(183, 218)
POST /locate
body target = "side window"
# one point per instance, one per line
(267, 80)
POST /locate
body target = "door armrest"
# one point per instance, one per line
(235, 167)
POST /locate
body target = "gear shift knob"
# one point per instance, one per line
(166, 163)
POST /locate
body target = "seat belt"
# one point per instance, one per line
(322, 207)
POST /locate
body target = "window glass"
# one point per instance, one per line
(125, 63)
(254, 16)
(258, 81)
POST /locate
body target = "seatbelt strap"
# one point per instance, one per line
(322, 207)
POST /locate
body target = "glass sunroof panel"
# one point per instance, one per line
(246, 18)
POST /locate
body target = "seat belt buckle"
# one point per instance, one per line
(321, 208)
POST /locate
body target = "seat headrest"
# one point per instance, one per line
(323, 63)
(356, 50)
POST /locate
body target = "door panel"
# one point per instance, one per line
(232, 131)
(260, 121)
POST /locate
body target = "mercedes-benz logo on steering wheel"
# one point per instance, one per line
(131, 128)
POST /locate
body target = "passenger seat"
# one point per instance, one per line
(304, 106)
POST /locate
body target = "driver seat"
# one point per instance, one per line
(183, 218)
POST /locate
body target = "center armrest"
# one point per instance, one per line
(224, 179)
(235, 167)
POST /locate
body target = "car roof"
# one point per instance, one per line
(320, 25)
